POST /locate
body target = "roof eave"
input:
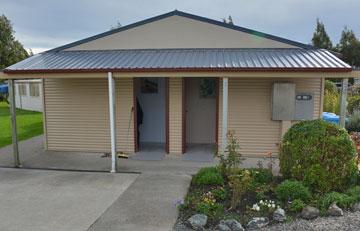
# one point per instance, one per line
(217, 69)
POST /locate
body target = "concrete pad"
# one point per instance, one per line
(199, 153)
(33, 155)
(149, 204)
(150, 152)
(56, 200)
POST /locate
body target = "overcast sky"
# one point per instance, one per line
(45, 24)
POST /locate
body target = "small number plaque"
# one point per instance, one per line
(303, 97)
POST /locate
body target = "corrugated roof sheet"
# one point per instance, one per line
(184, 59)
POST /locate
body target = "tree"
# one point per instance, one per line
(30, 52)
(117, 25)
(320, 38)
(349, 47)
(228, 20)
(11, 50)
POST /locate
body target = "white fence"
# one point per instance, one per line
(28, 95)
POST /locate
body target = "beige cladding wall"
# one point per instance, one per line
(77, 114)
(179, 32)
(175, 115)
(250, 112)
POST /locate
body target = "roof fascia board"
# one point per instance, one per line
(89, 75)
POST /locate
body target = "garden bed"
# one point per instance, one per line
(264, 195)
(214, 198)
(227, 197)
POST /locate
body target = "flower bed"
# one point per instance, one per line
(227, 196)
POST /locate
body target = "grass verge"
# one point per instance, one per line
(29, 124)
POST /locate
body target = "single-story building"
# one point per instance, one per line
(179, 80)
(28, 94)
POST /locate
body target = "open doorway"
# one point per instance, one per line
(150, 103)
(201, 115)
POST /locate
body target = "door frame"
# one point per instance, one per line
(167, 106)
(217, 89)
(183, 148)
(184, 111)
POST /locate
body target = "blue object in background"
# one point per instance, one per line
(332, 117)
(4, 89)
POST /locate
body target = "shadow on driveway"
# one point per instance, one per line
(57, 200)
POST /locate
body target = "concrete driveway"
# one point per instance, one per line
(65, 200)
(57, 200)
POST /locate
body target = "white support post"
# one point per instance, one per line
(13, 123)
(112, 110)
(344, 92)
(224, 114)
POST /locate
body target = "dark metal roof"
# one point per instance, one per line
(186, 15)
(295, 59)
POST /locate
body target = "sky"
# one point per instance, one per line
(45, 24)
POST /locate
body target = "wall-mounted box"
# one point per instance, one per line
(304, 106)
(287, 104)
(283, 101)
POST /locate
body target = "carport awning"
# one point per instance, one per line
(292, 59)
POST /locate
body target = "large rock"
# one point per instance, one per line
(230, 224)
(198, 221)
(356, 207)
(181, 227)
(222, 227)
(258, 222)
(309, 213)
(279, 215)
(335, 211)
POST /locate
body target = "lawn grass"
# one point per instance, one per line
(29, 124)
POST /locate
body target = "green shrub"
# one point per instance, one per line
(292, 190)
(220, 194)
(239, 183)
(342, 200)
(214, 211)
(208, 176)
(331, 87)
(331, 98)
(296, 206)
(353, 125)
(192, 199)
(261, 175)
(231, 159)
(354, 192)
(353, 104)
(355, 89)
(320, 154)
(262, 191)
(355, 136)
